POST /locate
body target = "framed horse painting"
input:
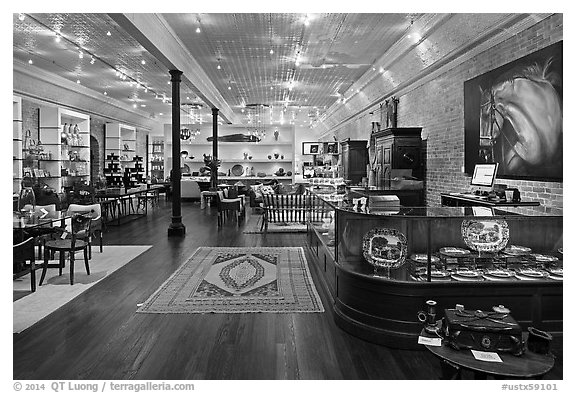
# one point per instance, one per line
(513, 116)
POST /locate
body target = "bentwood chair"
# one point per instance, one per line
(69, 242)
(21, 253)
(94, 211)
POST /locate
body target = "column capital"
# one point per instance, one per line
(215, 111)
(176, 74)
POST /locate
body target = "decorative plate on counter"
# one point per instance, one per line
(556, 273)
(454, 252)
(237, 170)
(423, 258)
(498, 274)
(530, 274)
(485, 235)
(435, 275)
(384, 247)
(544, 258)
(467, 275)
(517, 250)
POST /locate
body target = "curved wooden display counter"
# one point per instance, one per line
(384, 310)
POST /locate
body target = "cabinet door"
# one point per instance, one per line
(408, 157)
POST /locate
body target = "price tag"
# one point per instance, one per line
(486, 356)
(432, 341)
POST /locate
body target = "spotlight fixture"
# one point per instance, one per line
(135, 105)
(105, 93)
(108, 33)
(57, 38)
(80, 55)
(198, 29)
(78, 81)
(30, 61)
(21, 16)
(92, 60)
(143, 62)
(271, 51)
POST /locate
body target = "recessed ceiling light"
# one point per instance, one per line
(198, 30)
(143, 105)
(218, 67)
(30, 61)
(78, 81)
(161, 114)
(108, 33)
(57, 38)
(143, 62)
(105, 93)
(271, 51)
(21, 16)
(81, 55)
(135, 106)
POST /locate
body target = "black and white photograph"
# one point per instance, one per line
(245, 264)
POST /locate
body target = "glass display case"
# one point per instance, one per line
(381, 265)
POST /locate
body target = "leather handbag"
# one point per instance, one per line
(483, 331)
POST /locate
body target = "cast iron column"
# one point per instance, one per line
(176, 227)
(214, 144)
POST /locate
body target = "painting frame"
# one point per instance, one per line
(310, 148)
(493, 135)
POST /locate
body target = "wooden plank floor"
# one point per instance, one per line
(98, 335)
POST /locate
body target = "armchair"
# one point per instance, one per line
(226, 205)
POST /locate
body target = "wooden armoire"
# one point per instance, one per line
(398, 148)
(354, 160)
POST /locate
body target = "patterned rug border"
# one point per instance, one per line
(314, 292)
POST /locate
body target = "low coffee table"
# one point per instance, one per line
(529, 365)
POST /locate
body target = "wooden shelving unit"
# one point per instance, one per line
(65, 139)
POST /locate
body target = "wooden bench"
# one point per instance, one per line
(286, 208)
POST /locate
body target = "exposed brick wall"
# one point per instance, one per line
(141, 148)
(97, 126)
(438, 107)
(30, 118)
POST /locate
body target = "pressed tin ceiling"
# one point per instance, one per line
(299, 64)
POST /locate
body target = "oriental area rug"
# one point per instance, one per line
(238, 280)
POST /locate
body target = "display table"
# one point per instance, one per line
(457, 199)
(528, 365)
(379, 306)
(407, 197)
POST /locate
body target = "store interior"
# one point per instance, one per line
(301, 196)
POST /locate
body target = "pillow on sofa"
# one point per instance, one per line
(267, 190)
(290, 189)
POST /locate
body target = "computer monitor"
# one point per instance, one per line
(484, 175)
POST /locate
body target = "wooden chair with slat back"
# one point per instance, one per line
(70, 243)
